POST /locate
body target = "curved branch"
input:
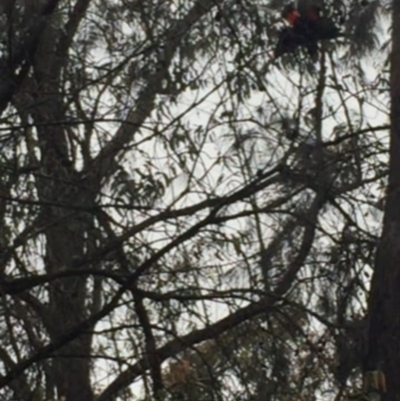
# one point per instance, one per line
(104, 164)
(265, 305)
(178, 345)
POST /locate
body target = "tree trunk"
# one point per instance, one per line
(383, 352)
(68, 228)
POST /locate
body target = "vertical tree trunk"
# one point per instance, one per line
(68, 229)
(383, 350)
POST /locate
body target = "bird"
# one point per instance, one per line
(307, 26)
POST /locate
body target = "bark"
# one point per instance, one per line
(383, 348)
(67, 230)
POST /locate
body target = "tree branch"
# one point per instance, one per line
(180, 344)
(105, 163)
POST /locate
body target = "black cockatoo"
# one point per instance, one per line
(306, 27)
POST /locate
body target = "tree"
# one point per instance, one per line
(179, 211)
(384, 326)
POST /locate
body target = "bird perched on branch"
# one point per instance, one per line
(307, 26)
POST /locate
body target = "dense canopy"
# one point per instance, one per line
(184, 216)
